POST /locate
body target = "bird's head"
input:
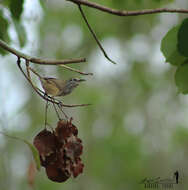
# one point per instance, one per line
(76, 80)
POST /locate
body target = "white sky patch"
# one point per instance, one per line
(134, 122)
(157, 64)
(72, 36)
(101, 67)
(139, 47)
(31, 17)
(18, 165)
(13, 95)
(12, 83)
(166, 22)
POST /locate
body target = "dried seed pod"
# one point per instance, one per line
(57, 174)
(60, 151)
(73, 149)
(65, 129)
(77, 167)
(46, 143)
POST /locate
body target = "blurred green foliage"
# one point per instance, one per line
(136, 126)
(16, 8)
(4, 30)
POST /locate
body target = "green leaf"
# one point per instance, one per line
(176, 59)
(34, 152)
(3, 31)
(32, 148)
(183, 38)
(181, 78)
(169, 47)
(22, 37)
(16, 8)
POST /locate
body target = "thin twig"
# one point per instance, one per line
(73, 105)
(127, 13)
(57, 113)
(36, 89)
(12, 137)
(61, 109)
(35, 72)
(46, 112)
(27, 68)
(46, 97)
(94, 35)
(75, 70)
(66, 67)
(60, 104)
(39, 60)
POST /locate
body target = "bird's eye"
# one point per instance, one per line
(73, 80)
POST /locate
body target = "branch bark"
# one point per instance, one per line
(45, 96)
(94, 35)
(127, 13)
(39, 60)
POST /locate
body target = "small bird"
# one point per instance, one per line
(58, 87)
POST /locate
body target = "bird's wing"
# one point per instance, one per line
(49, 86)
(59, 82)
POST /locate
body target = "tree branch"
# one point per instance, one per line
(127, 13)
(38, 60)
(94, 35)
(43, 95)
(75, 70)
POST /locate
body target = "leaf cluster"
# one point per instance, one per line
(174, 47)
(15, 8)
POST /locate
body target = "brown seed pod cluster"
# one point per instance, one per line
(60, 151)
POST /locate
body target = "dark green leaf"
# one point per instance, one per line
(20, 32)
(16, 8)
(3, 31)
(181, 78)
(169, 47)
(183, 38)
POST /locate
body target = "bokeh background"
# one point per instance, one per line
(137, 125)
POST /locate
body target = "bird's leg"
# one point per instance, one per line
(45, 117)
(61, 109)
(55, 109)
(27, 68)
